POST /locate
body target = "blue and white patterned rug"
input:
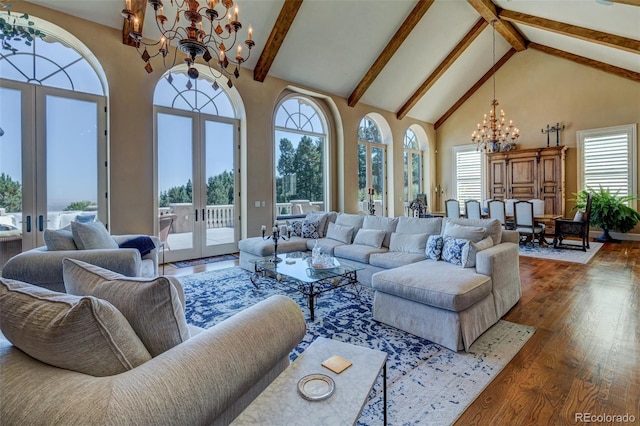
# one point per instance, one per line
(564, 255)
(426, 383)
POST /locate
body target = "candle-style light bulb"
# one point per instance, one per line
(235, 14)
(250, 33)
(128, 4)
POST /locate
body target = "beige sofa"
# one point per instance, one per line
(208, 379)
(436, 300)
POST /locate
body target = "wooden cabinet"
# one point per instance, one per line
(529, 173)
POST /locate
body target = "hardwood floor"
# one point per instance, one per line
(584, 358)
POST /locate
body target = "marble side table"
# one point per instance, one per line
(280, 403)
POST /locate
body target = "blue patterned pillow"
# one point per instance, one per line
(433, 249)
(310, 229)
(452, 250)
(296, 227)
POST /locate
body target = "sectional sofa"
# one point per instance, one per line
(446, 280)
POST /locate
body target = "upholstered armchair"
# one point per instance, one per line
(42, 266)
(578, 227)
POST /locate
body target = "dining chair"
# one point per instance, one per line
(452, 208)
(472, 209)
(529, 230)
(165, 222)
(497, 210)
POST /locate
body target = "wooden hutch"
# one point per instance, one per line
(529, 173)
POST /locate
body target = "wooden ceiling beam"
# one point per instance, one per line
(466, 41)
(390, 49)
(276, 38)
(475, 87)
(586, 34)
(489, 12)
(629, 2)
(138, 7)
(611, 69)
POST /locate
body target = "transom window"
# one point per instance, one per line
(178, 91)
(300, 152)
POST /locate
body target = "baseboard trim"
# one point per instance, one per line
(617, 235)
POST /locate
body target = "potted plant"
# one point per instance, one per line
(609, 211)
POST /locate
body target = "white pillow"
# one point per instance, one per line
(151, 305)
(471, 233)
(370, 237)
(340, 233)
(92, 235)
(470, 250)
(408, 243)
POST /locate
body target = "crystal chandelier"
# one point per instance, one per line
(494, 134)
(205, 34)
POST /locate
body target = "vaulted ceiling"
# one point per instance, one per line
(416, 58)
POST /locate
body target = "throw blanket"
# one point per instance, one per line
(144, 244)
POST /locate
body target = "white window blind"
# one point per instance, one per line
(607, 159)
(468, 174)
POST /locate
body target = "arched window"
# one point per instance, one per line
(371, 168)
(412, 166)
(52, 101)
(300, 151)
(197, 136)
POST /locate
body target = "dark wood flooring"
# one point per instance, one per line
(584, 358)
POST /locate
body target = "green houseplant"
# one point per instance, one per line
(609, 211)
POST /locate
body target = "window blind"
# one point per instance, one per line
(606, 162)
(468, 176)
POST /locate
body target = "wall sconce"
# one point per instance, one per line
(439, 190)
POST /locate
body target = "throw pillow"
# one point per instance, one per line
(579, 216)
(92, 235)
(353, 220)
(369, 237)
(296, 227)
(452, 250)
(408, 243)
(83, 334)
(470, 250)
(340, 233)
(310, 229)
(151, 305)
(387, 224)
(59, 239)
(84, 218)
(433, 250)
(472, 233)
(321, 218)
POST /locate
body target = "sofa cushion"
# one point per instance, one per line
(492, 227)
(326, 244)
(310, 228)
(353, 220)
(358, 252)
(340, 233)
(261, 247)
(151, 305)
(434, 246)
(470, 250)
(419, 225)
(83, 334)
(445, 287)
(92, 235)
(59, 239)
(452, 250)
(370, 237)
(393, 259)
(408, 243)
(471, 233)
(386, 224)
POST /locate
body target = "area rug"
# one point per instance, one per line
(427, 384)
(564, 255)
(204, 260)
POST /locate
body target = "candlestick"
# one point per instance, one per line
(283, 232)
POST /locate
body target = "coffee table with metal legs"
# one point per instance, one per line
(281, 403)
(295, 272)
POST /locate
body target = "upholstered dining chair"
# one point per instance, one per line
(578, 227)
(472, 209)
(497, 211)
(452, 208)
(529, 230)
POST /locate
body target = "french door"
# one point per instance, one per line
(197, 180)
(371, 175)
(53, 158)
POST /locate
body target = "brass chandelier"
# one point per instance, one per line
(494, 134)
(207, 33)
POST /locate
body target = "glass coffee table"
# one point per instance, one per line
(295, 271)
